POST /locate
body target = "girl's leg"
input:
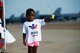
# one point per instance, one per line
(35, 49)
(30, 49)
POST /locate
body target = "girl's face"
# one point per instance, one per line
(31, 16)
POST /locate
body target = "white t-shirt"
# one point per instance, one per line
(33, 30)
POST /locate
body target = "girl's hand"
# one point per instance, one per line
(24, 43)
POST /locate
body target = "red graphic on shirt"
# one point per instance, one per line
(33, 26)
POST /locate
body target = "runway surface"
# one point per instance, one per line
(57, 38)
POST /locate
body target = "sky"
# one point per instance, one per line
(17, 7)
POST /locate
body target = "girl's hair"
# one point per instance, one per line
(29, 10)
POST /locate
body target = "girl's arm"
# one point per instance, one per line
(24, 39)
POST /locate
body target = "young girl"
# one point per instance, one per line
(32, 31)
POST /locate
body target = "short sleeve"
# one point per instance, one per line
(42, 22)
(24, 28)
